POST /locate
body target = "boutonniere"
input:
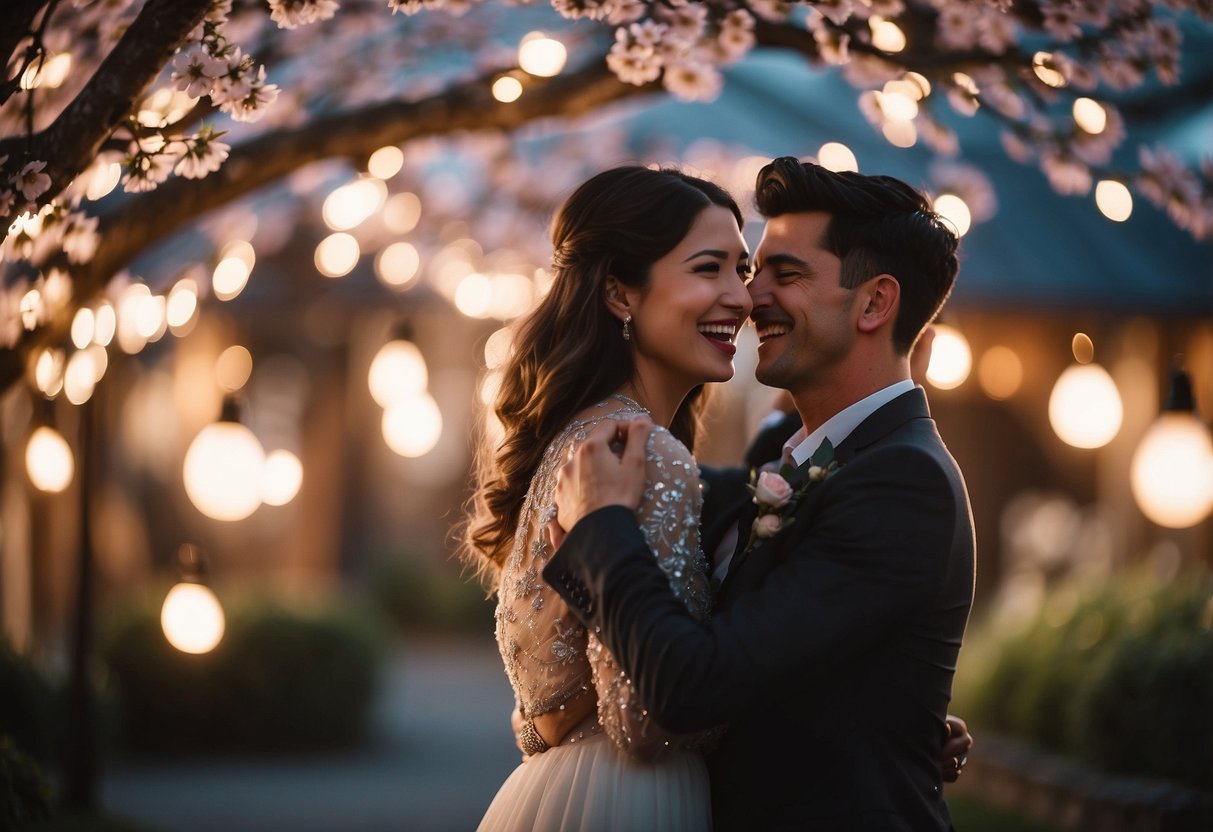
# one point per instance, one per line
(776, 494)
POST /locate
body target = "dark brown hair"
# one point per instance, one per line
(878, 225)
(569, 352)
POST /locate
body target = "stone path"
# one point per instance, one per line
(441, 746)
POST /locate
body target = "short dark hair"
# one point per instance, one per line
(878, 225)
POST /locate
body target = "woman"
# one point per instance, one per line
(648, 296)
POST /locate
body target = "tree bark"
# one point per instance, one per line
(70, 144)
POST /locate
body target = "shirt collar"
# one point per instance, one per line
(839, 426)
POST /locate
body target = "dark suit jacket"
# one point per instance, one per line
(833, 645)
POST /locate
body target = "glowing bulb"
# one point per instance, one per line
(283, 478)
(103, 179)
(107, 324)
(350, 204)
(182, 303)
(1090, 115)
(1045, 69)
(540, 55)
(900, 133)
(230, 277)
(48, 460)
(1113, 200)
(507, 88)
(1000, 372)
(398, 264)
(951, 358)
(837, 157)
(84, 324)
(48, 372)
(886, 35)
(953, 209)
(337, 254)
(233, 368)
(223, 471)
(412, 426)
(1085, 408)
(474, 295)
(385, 162)
(192, 618)
(397, 372)
(1172, 471)
(80, 377)
(402, 213)
(497, 348)
(897, 105)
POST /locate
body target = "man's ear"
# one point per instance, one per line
(617, 297)
(881, 297)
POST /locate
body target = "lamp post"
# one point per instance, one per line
(1172, 468)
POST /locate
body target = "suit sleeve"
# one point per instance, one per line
(873, 552)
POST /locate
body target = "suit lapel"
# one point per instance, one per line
(909, 405)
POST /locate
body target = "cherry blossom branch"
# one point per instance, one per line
(145, 218)
(70, 144)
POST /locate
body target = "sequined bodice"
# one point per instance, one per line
(548, 655)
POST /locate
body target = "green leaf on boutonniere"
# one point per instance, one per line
(824, 454)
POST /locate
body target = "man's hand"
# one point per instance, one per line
(956, 748)
(606, 470)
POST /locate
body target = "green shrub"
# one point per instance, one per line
(1147, 707)
(31, 707)
(279, 680)
(415, 595)
(1120, 677)
(25, 794)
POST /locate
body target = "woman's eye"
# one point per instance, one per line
(712, 268)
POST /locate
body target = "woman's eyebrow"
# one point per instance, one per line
(711, 252)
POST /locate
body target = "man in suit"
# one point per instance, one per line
(831, 650)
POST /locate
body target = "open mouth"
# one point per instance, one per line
(769, 329)
(720, 334)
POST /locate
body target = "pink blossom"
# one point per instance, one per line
(768, 525)
(31, 181)
(772, 490)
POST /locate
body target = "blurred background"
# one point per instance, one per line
(252, 325)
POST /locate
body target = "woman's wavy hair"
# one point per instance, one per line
(569, 352)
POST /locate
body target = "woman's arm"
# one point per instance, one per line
(554, 726)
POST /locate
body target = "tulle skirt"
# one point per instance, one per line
(591, 786)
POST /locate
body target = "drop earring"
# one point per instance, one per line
(627, 332)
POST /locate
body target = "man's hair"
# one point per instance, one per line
(878, 225)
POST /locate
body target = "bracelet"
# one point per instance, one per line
(529, 739)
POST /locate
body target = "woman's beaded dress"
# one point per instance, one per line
(620, 769)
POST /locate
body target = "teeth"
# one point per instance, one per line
(727, 330)
(770, 330)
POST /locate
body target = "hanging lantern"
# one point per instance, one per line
(1172, 468)
(398, 370)
(1085, 408)
(192, 617)
(223, 468)
(49, 460)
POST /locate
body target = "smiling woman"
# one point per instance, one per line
(647, 298)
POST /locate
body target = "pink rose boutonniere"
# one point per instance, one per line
(776, 494)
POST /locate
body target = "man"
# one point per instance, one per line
(836, 629)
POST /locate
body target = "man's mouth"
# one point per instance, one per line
(720, 334)
(770, 329)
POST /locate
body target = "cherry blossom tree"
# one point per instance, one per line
(190, 105)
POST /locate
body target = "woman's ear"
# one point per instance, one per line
(881, 296)
(618, 298)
